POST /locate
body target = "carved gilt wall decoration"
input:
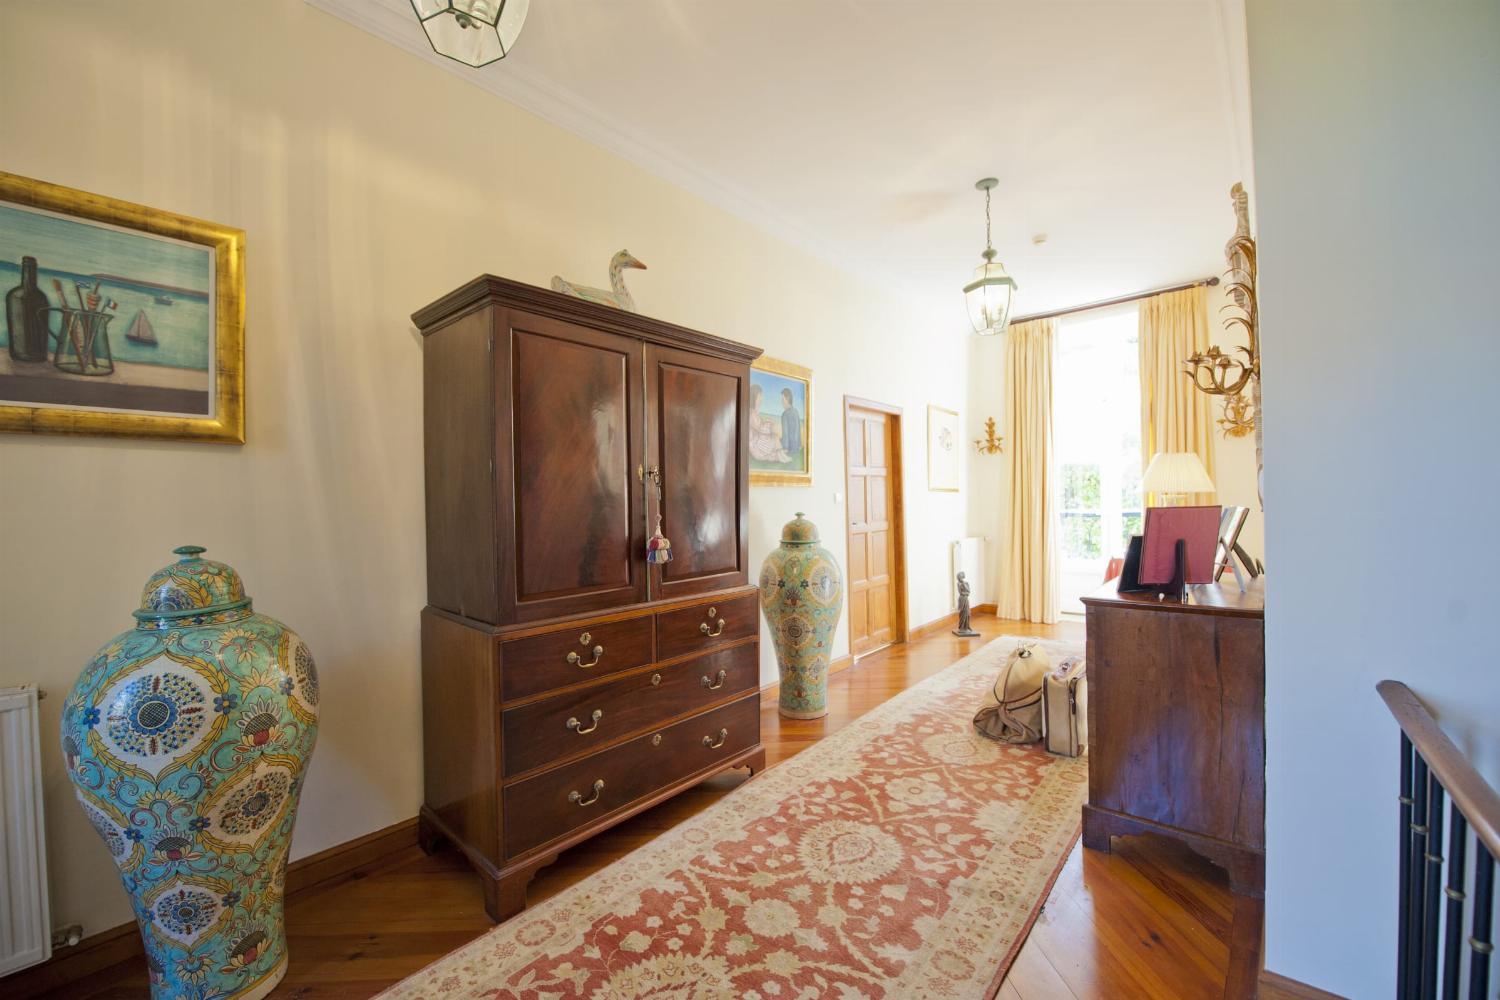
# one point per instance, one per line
(1231, 375)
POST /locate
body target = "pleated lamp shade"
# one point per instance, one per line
(1176, 473)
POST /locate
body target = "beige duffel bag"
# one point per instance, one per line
(1012, 711)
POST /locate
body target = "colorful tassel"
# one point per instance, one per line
(658, 547)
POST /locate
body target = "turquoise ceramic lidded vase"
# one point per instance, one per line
(801, 595)
(186, 739)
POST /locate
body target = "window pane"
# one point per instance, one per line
(1081, 536)
(1130, 484)
(1131, 526)
(1080, 487)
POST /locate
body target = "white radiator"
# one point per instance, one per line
(25, 925)
(968, 556)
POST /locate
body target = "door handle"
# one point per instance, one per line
(576, 726)
(576, 797)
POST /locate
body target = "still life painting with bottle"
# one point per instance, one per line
(113, 316)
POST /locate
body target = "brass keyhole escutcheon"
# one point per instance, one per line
(656, 740)
(585, 639)
(656, 680)
(712, 613)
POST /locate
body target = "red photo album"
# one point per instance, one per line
(1198, 526)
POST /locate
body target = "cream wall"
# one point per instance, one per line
(368, 183)
(1377, 131)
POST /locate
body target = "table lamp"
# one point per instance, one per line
(1174, 474)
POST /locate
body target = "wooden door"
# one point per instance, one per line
(696, 406)
(872, 459)
(568, 451)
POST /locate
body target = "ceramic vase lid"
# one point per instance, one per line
(799, 531)
(192, 591)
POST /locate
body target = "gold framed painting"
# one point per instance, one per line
(780, 424)
(120, 320)
(943, 458)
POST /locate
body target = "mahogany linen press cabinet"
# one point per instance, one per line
(567, 682)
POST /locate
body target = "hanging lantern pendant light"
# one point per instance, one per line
(473, 32)
(990, 291)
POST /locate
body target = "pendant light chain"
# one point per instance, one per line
(988, 243)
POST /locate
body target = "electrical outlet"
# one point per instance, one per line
(67, 937)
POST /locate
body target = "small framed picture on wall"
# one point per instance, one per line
(780, 424)
(943, 455)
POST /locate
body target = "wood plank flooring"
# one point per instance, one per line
(1149, 920)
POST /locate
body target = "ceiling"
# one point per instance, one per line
(856, 128)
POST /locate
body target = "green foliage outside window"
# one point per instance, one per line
(1081, 487)
(1081, 535)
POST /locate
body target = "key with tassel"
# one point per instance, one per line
(658, 546)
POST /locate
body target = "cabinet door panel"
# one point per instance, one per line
(575, 439)
(697, 407)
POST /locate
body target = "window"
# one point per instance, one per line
(1096, 400)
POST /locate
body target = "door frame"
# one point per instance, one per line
(898, 512)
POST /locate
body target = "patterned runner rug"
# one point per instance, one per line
(904, 856)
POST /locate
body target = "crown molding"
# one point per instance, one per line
(393, 21)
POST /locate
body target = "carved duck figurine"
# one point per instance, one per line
(618, 296)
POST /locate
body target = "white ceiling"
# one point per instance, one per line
(856, 128)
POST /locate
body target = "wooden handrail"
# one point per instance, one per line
(1473, 796)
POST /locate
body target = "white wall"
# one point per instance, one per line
(1377, 132)
(369, 183)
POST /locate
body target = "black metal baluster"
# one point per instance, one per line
(1415, 853)
(1403, 896)
(1479, 941)
(1453, 931)
(1433, 882)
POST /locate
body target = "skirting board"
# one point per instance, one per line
(1278, 987)
(106, 948)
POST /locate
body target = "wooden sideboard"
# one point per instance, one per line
(1177, 723)
(567, 683)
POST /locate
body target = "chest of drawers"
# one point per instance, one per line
(534, 742)
(567, 681)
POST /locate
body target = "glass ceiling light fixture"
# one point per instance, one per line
(473, 32)
(990, 291)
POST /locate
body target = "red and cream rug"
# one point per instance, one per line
(904, 856)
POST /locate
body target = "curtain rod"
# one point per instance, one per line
(1116, 301)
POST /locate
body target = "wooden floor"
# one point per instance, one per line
(1149, 920)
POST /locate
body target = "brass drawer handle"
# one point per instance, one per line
(574, 724)
(715, 685)
(703, 627)
(577, 660)
(708, 741)
(577, 798)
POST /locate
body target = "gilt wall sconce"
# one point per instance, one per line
(990, 443)
(1222, 374)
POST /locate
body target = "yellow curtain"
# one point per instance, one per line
(1174, 415)
(1028, 576)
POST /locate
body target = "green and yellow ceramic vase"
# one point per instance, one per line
(186, 738)
(801, 595)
